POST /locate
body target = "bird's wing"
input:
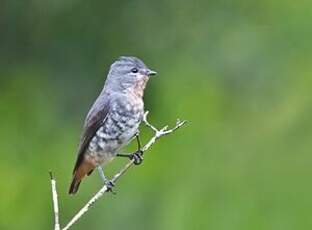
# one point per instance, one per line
(95, 118)
(93, 122)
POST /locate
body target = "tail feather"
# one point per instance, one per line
(85, 168)
(74, 186)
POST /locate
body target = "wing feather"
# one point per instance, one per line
(94, 120)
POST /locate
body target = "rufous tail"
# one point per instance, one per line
(85, 168)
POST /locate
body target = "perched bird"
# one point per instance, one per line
(113, 120)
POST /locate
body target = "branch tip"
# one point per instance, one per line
(51, 175)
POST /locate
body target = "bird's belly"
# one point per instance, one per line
(100, 157)
(109, 140)
(103, 151)
(128, 134)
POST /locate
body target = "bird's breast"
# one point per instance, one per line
(119, 127)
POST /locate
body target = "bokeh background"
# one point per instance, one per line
(238, 71)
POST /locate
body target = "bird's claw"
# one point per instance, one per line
(109, 184)
(137, 157)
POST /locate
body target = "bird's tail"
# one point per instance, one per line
(85, 168)
(74, 186)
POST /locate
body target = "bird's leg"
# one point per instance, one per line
(137, 136)
(136, 156)
(109, 184)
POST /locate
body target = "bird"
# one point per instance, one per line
(113, 120)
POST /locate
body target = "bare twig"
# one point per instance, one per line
(55, 203)
(158, 133)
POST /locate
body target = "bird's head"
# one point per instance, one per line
(129, 73)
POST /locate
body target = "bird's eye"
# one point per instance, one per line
(134, 70)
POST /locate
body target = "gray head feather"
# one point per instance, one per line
(126, 72)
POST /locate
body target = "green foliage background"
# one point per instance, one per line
(239, 71)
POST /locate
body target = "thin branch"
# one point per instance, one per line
(147, 123)
(55, 203)
(158, 133)
(85, 208)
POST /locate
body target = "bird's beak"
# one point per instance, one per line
(151, 73)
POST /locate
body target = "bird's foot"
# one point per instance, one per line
(137, 157)
(109, 184)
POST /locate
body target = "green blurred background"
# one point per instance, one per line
(239, 71)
